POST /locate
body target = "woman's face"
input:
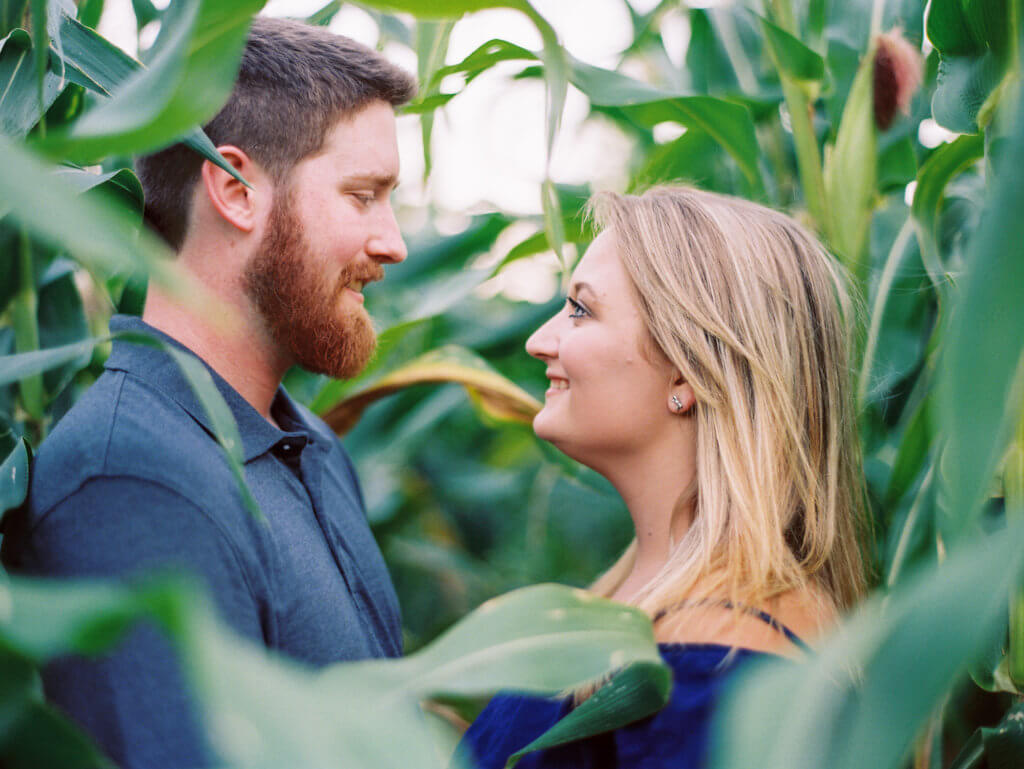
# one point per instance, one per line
(607, 396)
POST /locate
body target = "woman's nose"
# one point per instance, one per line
(543, 343)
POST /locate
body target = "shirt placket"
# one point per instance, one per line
(312, 472)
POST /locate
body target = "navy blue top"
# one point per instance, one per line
(132, 480)
(676, 737)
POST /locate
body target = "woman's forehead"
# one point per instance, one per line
(600, 267)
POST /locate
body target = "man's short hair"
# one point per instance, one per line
(294, 84)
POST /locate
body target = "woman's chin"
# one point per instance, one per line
(543, 428)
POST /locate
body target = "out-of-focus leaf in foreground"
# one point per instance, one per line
(95, 63)
(266, 711)
(862, 698)
(985, 336)
(200, 42)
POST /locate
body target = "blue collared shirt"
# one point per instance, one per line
(132, 480)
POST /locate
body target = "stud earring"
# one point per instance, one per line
(678, 404)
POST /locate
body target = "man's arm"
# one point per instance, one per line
(134, 700)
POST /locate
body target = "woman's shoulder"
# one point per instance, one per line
(783, 626)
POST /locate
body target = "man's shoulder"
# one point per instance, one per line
(123, 427)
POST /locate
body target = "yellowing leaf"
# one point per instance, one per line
(496, 395)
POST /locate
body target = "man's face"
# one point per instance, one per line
(329, 232)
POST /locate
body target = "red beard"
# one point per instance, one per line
(305, 315)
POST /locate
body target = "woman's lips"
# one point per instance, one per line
(557, 386)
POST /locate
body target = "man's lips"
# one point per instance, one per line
(354, 285)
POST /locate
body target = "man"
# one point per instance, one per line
(132, 480)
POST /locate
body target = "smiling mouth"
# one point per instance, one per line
(355, 288)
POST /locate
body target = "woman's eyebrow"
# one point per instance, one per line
(580, 286)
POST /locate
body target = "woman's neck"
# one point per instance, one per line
(651, 486)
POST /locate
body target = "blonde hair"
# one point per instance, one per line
(755, 314)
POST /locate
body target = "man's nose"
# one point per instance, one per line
(543, 343)
(386, 243)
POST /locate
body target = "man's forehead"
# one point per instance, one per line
(364, 146)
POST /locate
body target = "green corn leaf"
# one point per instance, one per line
(998, 747)
(11, 14)
(695, 157)
(730, 124)
(897, 165)
(964, 85)
(20, 106)
(441, 9)
(974, 59)
(477, 656)
(42, 736)
(90, 11)
(554, 230)
(21, 366)
(27, 364)
(201, 41)
(707, 62)
(62, 321)
(556, 76)
(943, 165)
(26, 329)
(484, 57)
(325, 15)
(104, 238)
(883, 290)
(14, 476)
(543, 639)
(95, 63)
(145, 12)
(913, 451)
(634, 693)
(850, 172)
(40, 46)
(432, 47)
(984, 336)
(793, 57)
(121, 185)
(916, 526)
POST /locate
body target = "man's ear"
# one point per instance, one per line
(237, 204)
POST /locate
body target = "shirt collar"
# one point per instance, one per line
(159, 371)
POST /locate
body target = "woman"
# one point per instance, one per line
(701, 365)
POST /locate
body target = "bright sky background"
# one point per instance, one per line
(489, 142)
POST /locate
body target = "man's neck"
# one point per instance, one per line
(232, 342)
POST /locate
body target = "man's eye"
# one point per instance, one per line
(578, 310)
(364, 198)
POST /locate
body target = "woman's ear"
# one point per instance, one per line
(234, 201)
(681, 398)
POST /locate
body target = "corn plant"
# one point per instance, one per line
(811, 107)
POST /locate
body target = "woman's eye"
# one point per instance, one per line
(578, 310)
